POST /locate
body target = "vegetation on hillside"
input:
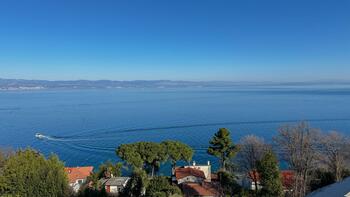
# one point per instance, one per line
(315, 158)
(161, 186)
(28, 173)
(149, 156)
(270, 177)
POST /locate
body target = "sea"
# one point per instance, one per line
(84, 127)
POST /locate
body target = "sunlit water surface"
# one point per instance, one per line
(83, 127)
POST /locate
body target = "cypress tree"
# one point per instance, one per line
(270, 177)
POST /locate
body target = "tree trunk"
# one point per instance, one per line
(173, 166)
(223, 166)
(152, 171)
(256, 187)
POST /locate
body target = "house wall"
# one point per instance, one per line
(190, 179)
(249, 184)
(77, 184)
(114, 189)
(252, 185)
(80, 181)
(206, 170)
(111, 189)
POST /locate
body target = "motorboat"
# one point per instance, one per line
(39, 136)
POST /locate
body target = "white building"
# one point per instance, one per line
(196, 180)
(77, 176)
(114, 184)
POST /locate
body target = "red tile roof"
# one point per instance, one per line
(195, 189)
(184, 172)
(78, 173)
(287, 177)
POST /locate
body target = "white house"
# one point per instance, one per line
(196, 180)
(184, 175)
(114, 184)
(77, 176)
(206, 169)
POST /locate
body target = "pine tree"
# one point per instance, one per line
(177, 151)
(221, 146)
(143, 155)
(270, 177)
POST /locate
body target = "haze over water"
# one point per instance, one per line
(83, 127)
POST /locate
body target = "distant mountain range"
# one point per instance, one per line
(21, 84)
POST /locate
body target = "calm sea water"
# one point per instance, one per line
(85, 126)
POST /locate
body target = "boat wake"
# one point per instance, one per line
(112, 131)
(108, 134)
(40, 136)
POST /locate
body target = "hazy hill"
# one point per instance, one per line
(13, 84)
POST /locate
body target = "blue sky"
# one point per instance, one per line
(289, 40)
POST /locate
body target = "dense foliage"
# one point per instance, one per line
(87, 191)
(270, 178)
(161, 186)
(143, 155)
(322, 178)
(108, 169)
(149, 155)
(93, 187)
(228, 183)
(315, 160)
(137, 184)
(177, 151)
(28, 173)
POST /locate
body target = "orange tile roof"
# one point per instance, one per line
(184, 172)
(195, 189)
(286, 175)
(78, 173)
(287, 178)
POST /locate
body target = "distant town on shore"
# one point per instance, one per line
(23, 84)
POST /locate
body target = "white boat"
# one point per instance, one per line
(39, 136)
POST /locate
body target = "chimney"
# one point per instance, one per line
(209, 171)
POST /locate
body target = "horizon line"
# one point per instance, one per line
(192, 81)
